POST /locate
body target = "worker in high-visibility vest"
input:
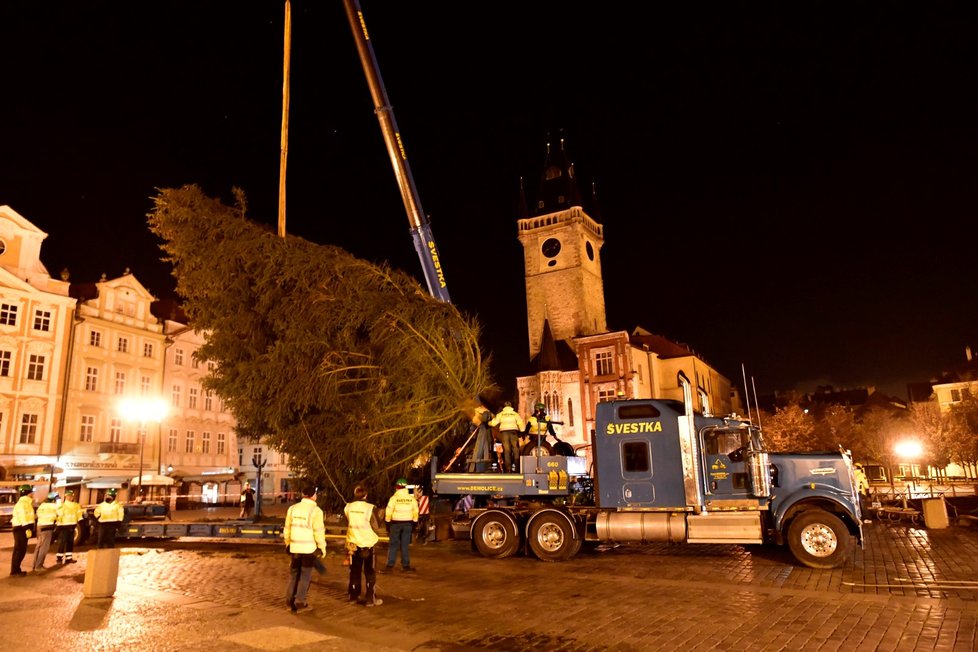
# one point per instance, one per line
(510, 425)
(109, 515)
(69, 513)
(47, 517)
(22, 525)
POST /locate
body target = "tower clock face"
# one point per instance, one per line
(589, 249)
(551, 247)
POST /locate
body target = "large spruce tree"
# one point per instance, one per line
(349, 367)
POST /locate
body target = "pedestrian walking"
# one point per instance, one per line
(22, 526)
(109, 515)
(305, 538)
(69, 513)
(247, 501)
(401, 516)
(361, 537)
(47, 517)
(510, 425)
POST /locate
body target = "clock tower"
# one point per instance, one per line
(561, 258)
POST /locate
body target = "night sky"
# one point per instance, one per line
(788, 189)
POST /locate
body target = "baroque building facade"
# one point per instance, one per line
(73, 358)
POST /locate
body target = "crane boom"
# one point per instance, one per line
(424, 241)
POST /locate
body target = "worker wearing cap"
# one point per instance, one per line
(109, 515)
(539, 425)
(401, 516)
(22, 524)
(510, 424)
(47, 516)
(305, 538)
(69, 513)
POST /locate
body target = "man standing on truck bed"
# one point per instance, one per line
(510, 425)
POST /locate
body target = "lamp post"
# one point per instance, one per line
(259, 464)
(141, 410)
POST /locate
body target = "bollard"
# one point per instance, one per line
(935, 513)
(101, 573)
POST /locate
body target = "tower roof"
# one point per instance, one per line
(558, 187)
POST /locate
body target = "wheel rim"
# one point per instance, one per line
(494, 535)
(550, 537)
(819, 540)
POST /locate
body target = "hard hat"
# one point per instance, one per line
(540, 406)
(70, 492)
(401, 482)
(111, 493)
(25, 489)
(52, 497)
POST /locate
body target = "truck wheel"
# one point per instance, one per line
(82, 532)
(495, 536)
(819, 539)
(531, 448)
(551, 538)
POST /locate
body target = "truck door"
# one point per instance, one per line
(726, 471)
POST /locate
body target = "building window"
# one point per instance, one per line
(123, 345)
(603, 363)
(171, 441)
(221, 443)
(42, 320)
(28, 429)
(189, 447)
(8, 314)
(955, 395)
(208, 400)
(5, 358)
(192, 398)
(35, 367)
(205, 442)
(210, 366)
(147, 349)
(176, 396)
(570, 412)
(115, 430)
(91, 379)
(95, 338)
(194, 362)
(606, 394)
(87, 427)
(120, 382)
(144, 385)
(178, 357)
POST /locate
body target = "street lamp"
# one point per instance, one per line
(141, 410)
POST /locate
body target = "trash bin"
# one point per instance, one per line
(935, 513)
(101, 572)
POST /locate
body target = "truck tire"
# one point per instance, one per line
(552, 538)
(495, 536)
(819, 539)
(83, 532)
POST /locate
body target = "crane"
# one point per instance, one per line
(424, 241)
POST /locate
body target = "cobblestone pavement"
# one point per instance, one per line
(909, 588)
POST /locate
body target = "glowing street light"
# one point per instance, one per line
(141, 410)
(909, 449)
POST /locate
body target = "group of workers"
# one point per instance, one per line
(57, 521)
(503, 450)
(305, 540)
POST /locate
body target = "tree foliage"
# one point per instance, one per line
(349, 367)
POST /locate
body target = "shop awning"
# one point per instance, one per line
(107, 482)
(152, 480)
(209, 477)
(34, 469)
